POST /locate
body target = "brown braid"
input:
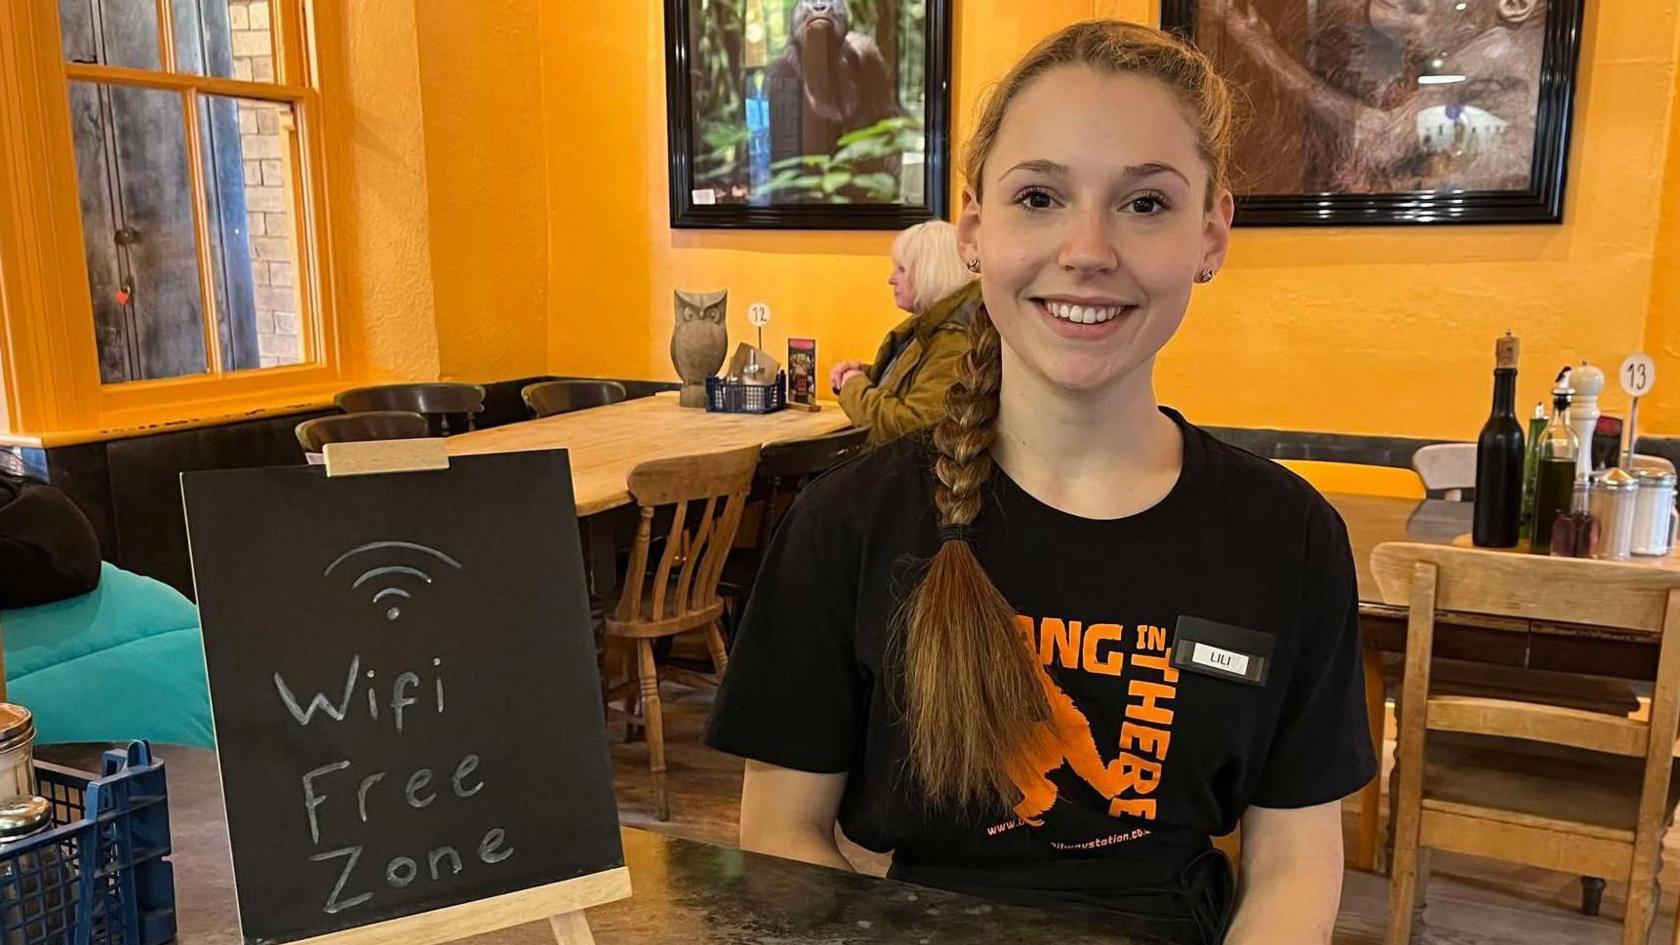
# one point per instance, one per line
(971, 693)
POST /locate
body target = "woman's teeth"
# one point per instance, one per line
(1083, 314)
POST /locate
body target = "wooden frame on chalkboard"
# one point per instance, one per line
(562, 904)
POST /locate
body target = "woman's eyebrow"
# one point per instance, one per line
(1054, 169)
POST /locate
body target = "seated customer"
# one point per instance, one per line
(904, 389)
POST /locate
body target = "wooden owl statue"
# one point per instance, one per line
(699, 341)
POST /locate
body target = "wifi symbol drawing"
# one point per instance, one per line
(382, 579)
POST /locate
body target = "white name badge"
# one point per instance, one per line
(1215, 658)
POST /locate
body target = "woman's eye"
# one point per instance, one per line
(1147, 205)
(1035, 199)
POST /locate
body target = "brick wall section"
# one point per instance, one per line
(268, 197)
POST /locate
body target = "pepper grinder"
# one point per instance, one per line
(1586, 382)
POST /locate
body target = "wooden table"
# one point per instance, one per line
(685, 893)
(605, 443)
(1372, 520)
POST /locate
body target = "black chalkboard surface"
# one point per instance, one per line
(404, 686)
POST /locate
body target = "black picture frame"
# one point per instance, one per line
(1541, 202)
(686, 214)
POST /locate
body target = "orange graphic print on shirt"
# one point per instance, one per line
(1125, 774)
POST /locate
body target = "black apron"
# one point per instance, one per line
(1195, 911)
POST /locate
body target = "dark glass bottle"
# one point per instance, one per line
(1499, 458)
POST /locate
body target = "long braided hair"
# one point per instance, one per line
(972, 697)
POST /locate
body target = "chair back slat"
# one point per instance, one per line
(718, 555)
(548, 398)
(1446, 468)
(703, 531)
(314, 435)
(674, 540)
(1620, 595)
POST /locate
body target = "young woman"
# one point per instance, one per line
(1046, 652)
(904, 389)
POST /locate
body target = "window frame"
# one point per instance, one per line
(49, 358)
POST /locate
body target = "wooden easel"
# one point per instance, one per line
(561, 903)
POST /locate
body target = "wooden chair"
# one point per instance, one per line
(1447, 468)
(783, 469)
(552, 397)
(448, 408)
(679, 595)
(1551, 787)
(315, 434)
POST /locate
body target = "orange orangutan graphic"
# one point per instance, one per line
(1066, 738)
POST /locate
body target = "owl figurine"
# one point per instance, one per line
(699, 342)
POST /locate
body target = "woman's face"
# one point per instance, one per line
(1093, 225)
(904, 294)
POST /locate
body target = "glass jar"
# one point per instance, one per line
(37, 885)
(1655, 520)
(1613, 497)
(17, 751)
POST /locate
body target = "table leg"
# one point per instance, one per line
(1370, 797)
(600, 557)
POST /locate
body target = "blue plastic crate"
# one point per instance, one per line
(734, 397)
(99, 877)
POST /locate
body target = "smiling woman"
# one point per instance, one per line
(1189, 608)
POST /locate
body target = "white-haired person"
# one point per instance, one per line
(903, 389)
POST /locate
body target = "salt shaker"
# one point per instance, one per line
(1655, 521)
(1613, 498)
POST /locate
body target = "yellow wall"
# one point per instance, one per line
(1662, 333)
(1379, 331)
(377, 170)
(482, 98)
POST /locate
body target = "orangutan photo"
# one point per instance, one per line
(807, 101)
(1382, 96)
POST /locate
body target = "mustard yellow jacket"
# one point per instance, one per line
(896, 396)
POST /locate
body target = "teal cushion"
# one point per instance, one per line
(125, 661)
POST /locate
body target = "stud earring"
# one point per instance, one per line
(1205, 276)
(973, 264)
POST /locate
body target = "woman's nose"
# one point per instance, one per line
(1089, 245)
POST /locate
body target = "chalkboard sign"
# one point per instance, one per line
(403, 679)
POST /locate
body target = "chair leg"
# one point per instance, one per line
(714, 642)
(654, 719)
(1592, 895)
(1403, 891)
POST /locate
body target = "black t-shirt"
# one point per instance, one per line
(1147, 757)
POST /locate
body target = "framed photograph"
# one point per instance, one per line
(1394, 111)
(808, 114)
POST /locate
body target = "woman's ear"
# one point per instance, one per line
(968, 227)
(1216, 232)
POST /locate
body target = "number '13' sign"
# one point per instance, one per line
(1638, 375)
